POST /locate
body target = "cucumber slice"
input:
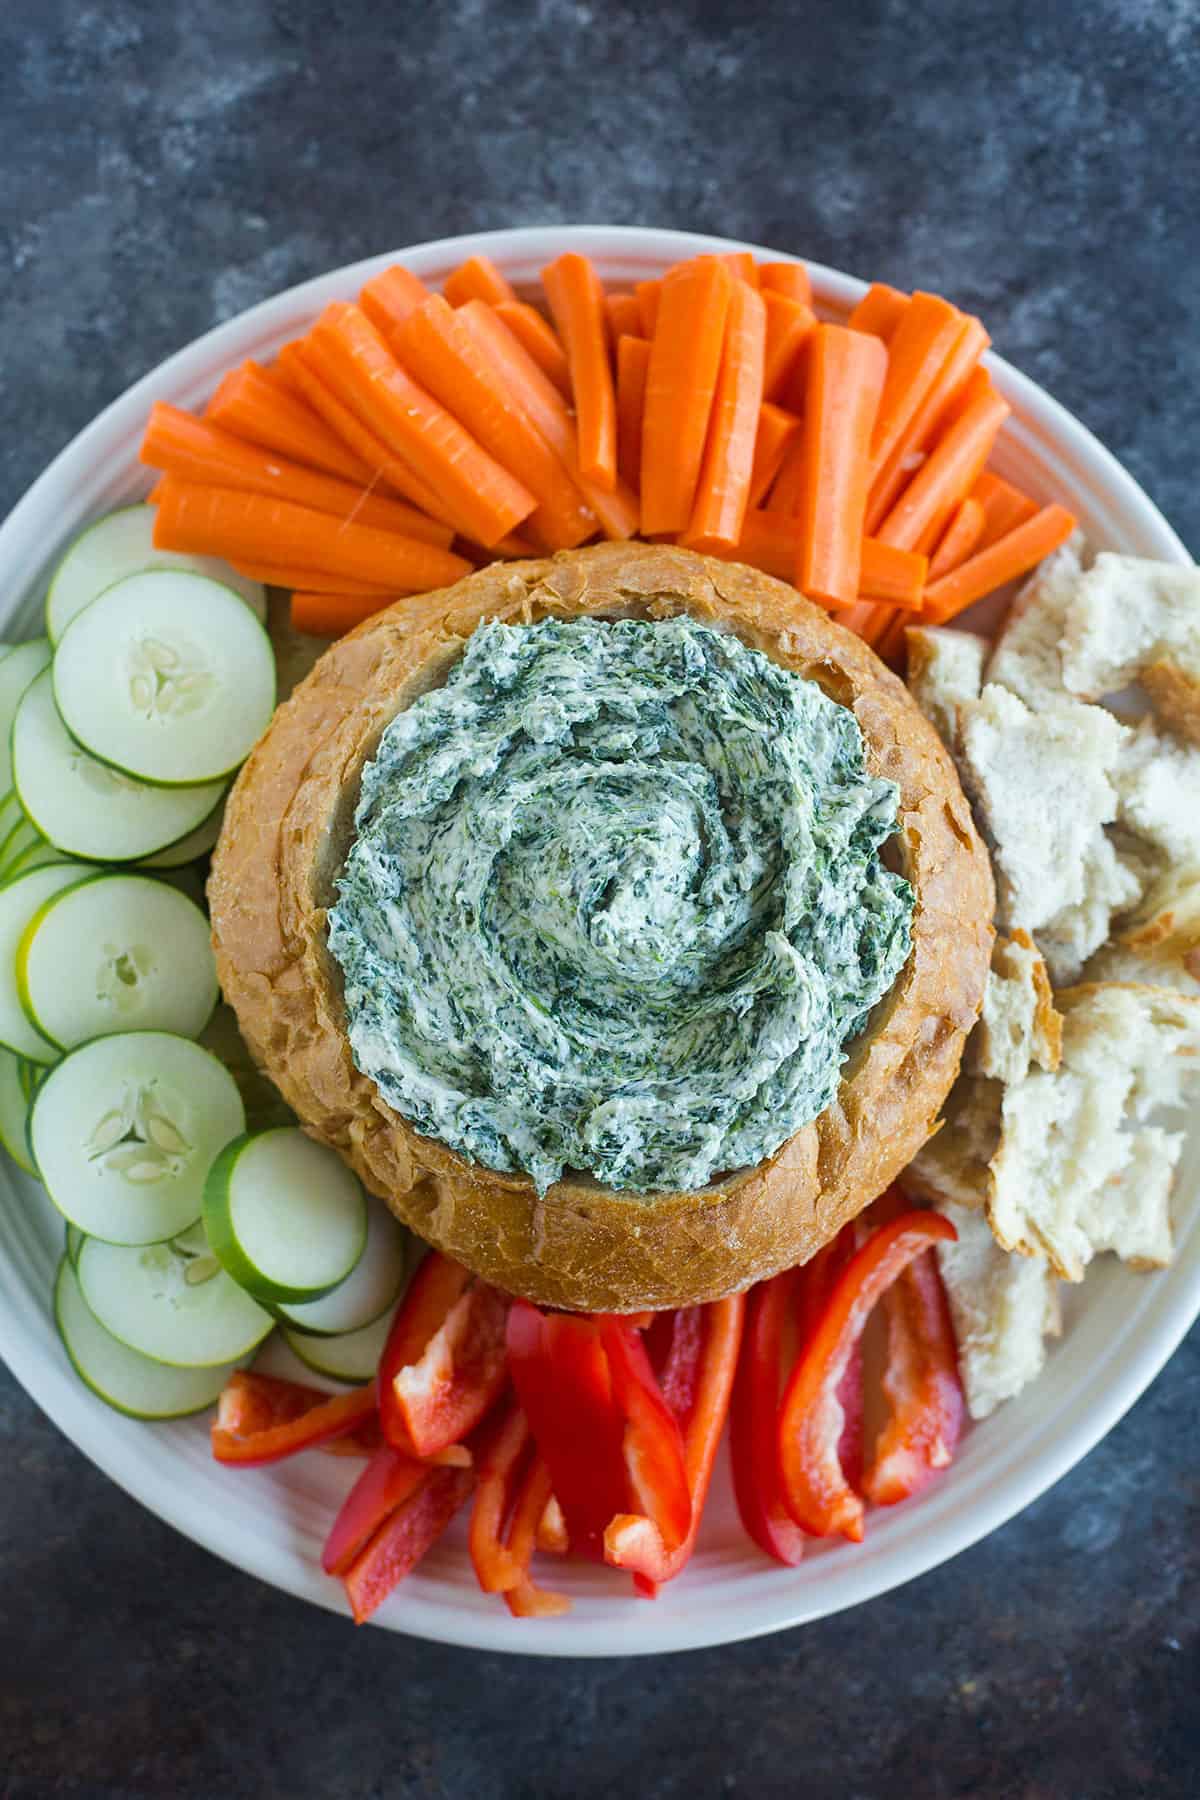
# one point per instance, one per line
(285, 1215)
(352, 1356)
(75, 1243)
(370, 1289)
(123, 544)
(20, 898)
(17, 670)
(125, 1129)
(10, 813)
(22, 838)
(39, 856)
(83, 806)
(152, 1300)
(14, 1113)
(191, 848)
(116, 953)
(168, 677)
(121, 1377)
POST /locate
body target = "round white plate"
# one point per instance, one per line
(1121, 1327)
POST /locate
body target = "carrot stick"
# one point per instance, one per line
(789, 324)
(918, 350)
(771, 542)
(198, 451)
(222, 522)
(633, 359)
(685, 359)
(624, 316)
(723, 487)
(539, 338)
(315, 581)
(510, 547)
(879, 311)
(777, 431)
(478, 279)
(950, 471)
(444, 355)
(846, 377)
(253, 404)
(1014, 554)
(349, 354)
(960, 538)
(331, 615)
(577, 303)
(889, 482)
(784, 497)
(1004, 507)
(647, 298)
(389, 297)
(790, 278)
(536, 394)
(742, 266)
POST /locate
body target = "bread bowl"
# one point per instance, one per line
(290, 824)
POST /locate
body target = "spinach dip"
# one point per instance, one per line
(615, 903)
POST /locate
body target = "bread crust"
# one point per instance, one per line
(289, 822)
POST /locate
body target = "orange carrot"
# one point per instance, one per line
(155, 494)
(777, 431)
(889, 638)
(790, 278)
(512, 546)
(253, 404)
(879, 311)
(929, 419)
(1004, 507)
(389, 297)
(742, 266)
(771, 542)
(633, 359)
(478, 279)
(200, 452)
(723, 486)
(331, 615)
(784, 497)
(917, 353)
(789, 324)
(539, 340)
(647, 298)
(846, 377)
(441, 352)
(222, 522)
(950, 471)
(959, 539)
(1014, 554)
(577, 303)
(349, 354)
(315, 581)
(624, 317)
(685, 359)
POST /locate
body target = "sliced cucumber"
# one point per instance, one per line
(152, 1301)
(75, 1243)
(14, 1113)
(168, 677)
(285, 1215)
(125, 1129)
(38, 856)
(17, 670)
(10, 813)
(82, 805)
(196, 844)
(123, 544)
(352, 1356)
(21, 839)
(20, 898)
(370, 1289)
(116, 953)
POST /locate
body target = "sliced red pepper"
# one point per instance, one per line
(261, 1419)
(402, 1540)
(525, 1599)
(388, 1478)
(816, 1491)
(754, 1420)
(922, 1386)
(552, 1529)
(528, 1601)
(817, 1279)
(364, 1440)
(652, 1441)
(443, 1366)
(697, 1380)
(500, 1467)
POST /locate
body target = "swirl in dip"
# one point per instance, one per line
(615, 903)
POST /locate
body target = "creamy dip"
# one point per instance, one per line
(615, 903)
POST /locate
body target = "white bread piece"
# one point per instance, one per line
(953, 1164)
(1003, 1306)
(1019, 1024)
(1133, 619)
(1112, 883)
(1157, 778)
(1027, 658)
(1167, 922)
(945, 670)
(1078, 1171)
(1115, 963)
(1041, 783)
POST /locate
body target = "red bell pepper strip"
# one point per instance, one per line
(261, 1419)
(754, 1420)
(388, 1478)
(443, 1366)
(402, 1540)
(552, 1529)
(697, 1381)
(364, 1440)
(652, 1441)
(528, 1601)
(815, 1488)
(817, 1279)
(525, 1599)
(500, 1467)
(921, 1382)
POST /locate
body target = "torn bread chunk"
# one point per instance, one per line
(945, 670)
(1078, 1169)
(1112, 883)
(1131, 619)
(953, 1164)
(1003, 1306)
(1167, 920)
(1157, 778)
(1027, 659)
(1113, 962)
(1019, 1024)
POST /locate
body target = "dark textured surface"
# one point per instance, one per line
(164, 166)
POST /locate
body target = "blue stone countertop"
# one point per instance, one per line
(165, 166)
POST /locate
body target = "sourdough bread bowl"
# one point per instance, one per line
(289, 825)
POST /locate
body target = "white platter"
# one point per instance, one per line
(1121, 1326)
